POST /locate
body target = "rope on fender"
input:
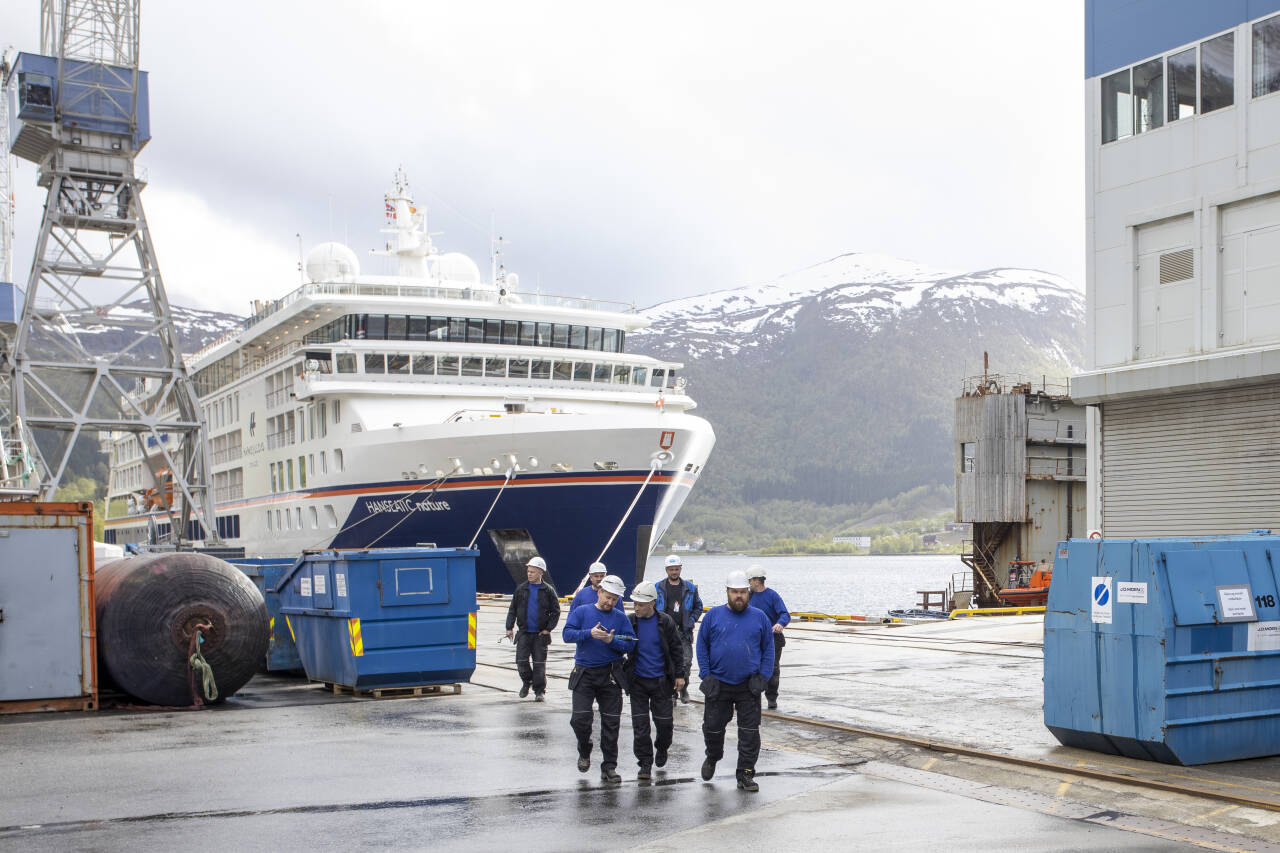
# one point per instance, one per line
(200, 668)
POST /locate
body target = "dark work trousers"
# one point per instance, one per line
(533, 645)
(771, 689)
(650, 696)
(597, 685)
(688, 659)
(718, 712)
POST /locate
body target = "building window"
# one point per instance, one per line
(1148, 95)
(1217, 73)
(968, 457)
(1182, 84)
(1117, 107)
(1266, 56)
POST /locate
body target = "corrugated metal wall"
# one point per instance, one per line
(1206, 462)
(996, 489)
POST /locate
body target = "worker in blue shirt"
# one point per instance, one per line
(775, 609)
(678, 598)
(735, 660)
(603, 635)
(535, 609)
(591, 590)
(653, 672)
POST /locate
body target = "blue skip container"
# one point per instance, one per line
(265, 572)
(390, 617)
(1165, 649)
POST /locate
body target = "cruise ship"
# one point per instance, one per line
(431, 406)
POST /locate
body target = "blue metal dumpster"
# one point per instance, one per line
(1165, 649)
(266, 572)
(391, 617)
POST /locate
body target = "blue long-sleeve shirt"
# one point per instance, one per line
(592, 652)
(772, 605)
(586, 595)
(734, 646)
(531, 610)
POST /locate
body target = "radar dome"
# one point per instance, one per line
(455, 266)
(330, 261)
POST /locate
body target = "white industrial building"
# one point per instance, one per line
(1183, 267)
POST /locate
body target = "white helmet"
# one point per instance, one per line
(755, 571)
(537, 562)
(644, 592)
(596, 568)
(613, 584)
(674, 560)
(737, 580)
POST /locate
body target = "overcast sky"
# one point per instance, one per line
(639, 152)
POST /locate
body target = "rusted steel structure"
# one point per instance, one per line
(1020, 476)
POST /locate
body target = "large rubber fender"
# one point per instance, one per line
(147, 608)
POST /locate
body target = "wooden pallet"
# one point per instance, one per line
(397, 692)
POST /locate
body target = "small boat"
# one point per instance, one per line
(1035, 593)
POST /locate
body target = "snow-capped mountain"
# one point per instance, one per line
(836, 383)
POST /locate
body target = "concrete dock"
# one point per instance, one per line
(889, 736)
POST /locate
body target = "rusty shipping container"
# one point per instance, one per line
(48, 649)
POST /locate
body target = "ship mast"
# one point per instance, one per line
(96, 348)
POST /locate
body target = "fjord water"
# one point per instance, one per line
(870, 585)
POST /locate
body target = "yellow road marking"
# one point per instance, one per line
(1063, 788)
(929, 763)
(1215, 812)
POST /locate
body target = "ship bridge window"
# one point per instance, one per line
(1182, 84)
(457, 329)
(346, 362)
(447, 365)
(563, 371)
(527, 333)
(594, 338)
(540, 369)
(577, 337)
(620, 374)
(397, 327)
(1217, 72)
(638, 375)
(475, 331)
(510, 332)
(560, 335)
(417, 328)
(375, 362)
(375, 326)
(544, 337)
(398, 363)
(424, 365)
(612, 340)
(658, 377)
(518, 368)
(473, 367)
(582, 371)
(495, 367)
(493, 331)
(438, 329)
(603, 372)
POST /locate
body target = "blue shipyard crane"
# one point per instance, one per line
(96, 349)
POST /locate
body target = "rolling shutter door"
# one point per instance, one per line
(1205, 462)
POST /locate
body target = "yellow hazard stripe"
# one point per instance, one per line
(289, 625)
(471, 630)
(357, 642)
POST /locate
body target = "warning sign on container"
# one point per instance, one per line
(1102, 601)
(340, 584)
(319, 584)
(1235, 603)
(1131, 592)
(304, 586)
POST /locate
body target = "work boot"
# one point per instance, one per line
(747, 780)
(608, 774)
(645, 772)
(708, 769)
(524, 690)
(684, 696)
(773, 704)
(660, 758)
(584, 763)
(538, 697)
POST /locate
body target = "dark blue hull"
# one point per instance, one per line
(564, 519)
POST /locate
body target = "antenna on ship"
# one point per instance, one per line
(82, 117)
